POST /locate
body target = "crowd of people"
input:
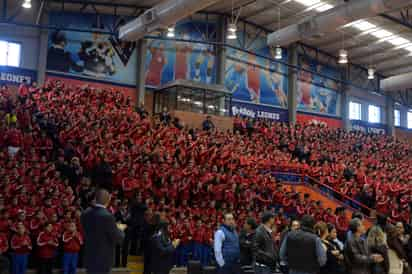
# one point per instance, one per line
(59, 143)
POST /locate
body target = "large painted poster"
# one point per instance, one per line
(316, 93)
(256, 79)
(91, 54)
(184, 58)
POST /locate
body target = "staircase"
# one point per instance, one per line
(135, 264)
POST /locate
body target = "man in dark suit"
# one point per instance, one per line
(264, 246)
(101, 235)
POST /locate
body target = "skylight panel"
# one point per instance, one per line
(308, 3)
(362, 25)
(381, 33)
(397, 41)
(324, 7)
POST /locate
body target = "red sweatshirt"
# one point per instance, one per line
(47, 245)
(21, 244)
(72, 242)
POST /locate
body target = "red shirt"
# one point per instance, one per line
(47, 243)
(198, 235)
(4, 243)
(72, 242)
(21, 244)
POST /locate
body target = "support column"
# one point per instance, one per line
(389, 110)
(221, 58)
(292, 82)
(221, 51)
(43, 48)
(140, 72)
(42, 61)
(344, 102)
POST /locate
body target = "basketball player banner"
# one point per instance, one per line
(255, 111)
(16, 76)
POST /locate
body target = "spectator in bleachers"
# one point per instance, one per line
(398, 260)
(4, 247)
(377, 244)
(21, 246)
(208, 124)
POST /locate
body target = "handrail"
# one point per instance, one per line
(346, 197)
(338, 195)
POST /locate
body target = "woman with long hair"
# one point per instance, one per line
(163, 248)
(334, 255)
(397, 256)
(377, 245)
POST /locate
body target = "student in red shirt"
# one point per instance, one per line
(72, 241)
(21, 246)
(47, 243)
(4, 246)
(197, 241)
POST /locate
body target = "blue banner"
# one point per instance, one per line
(258, 111)
(16, 76)
(369, 127)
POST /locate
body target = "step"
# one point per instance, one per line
(135, 259)
(83, 271)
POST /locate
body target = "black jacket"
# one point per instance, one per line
(101, 238)
(357, 257)
(264, 248)
(246, 247)
(163, 250)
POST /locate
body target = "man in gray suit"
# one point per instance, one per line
(101, 235)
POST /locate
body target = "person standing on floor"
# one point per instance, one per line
(101, 235)
(302, 250)
(264, 246)
(163, 248)
(226, 247)
(246, 238)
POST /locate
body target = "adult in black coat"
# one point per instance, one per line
(101, 235)
(246, 238)
(163, 249)
(264, 247)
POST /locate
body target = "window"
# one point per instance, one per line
(374, 114)
(409, 119)
(355, 111)
(9, 54)
(397, 118)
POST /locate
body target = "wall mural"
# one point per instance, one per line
(90, 54)
(256, 79)
(174, 60)
(316, 93)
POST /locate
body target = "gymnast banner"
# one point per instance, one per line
(258, 111)
(168, 60)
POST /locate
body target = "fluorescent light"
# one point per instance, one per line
(324, 7)
(26, 4)
(408, 48)
(278, 53)
(362, 25)
(371, 73)
(397, 41)
(231, 31)
(381, 33)
(308, 2)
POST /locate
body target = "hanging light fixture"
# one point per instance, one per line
(278, 49)
(231, 31)
(26, 4)
(278, 53)
(171, 32)
(232, 28)
(343, 56)
(371, 73)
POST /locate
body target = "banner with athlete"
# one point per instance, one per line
(256, 79)
(168, 60)
(91, 55)
(316, 93)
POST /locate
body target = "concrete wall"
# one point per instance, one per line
(29, 40)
